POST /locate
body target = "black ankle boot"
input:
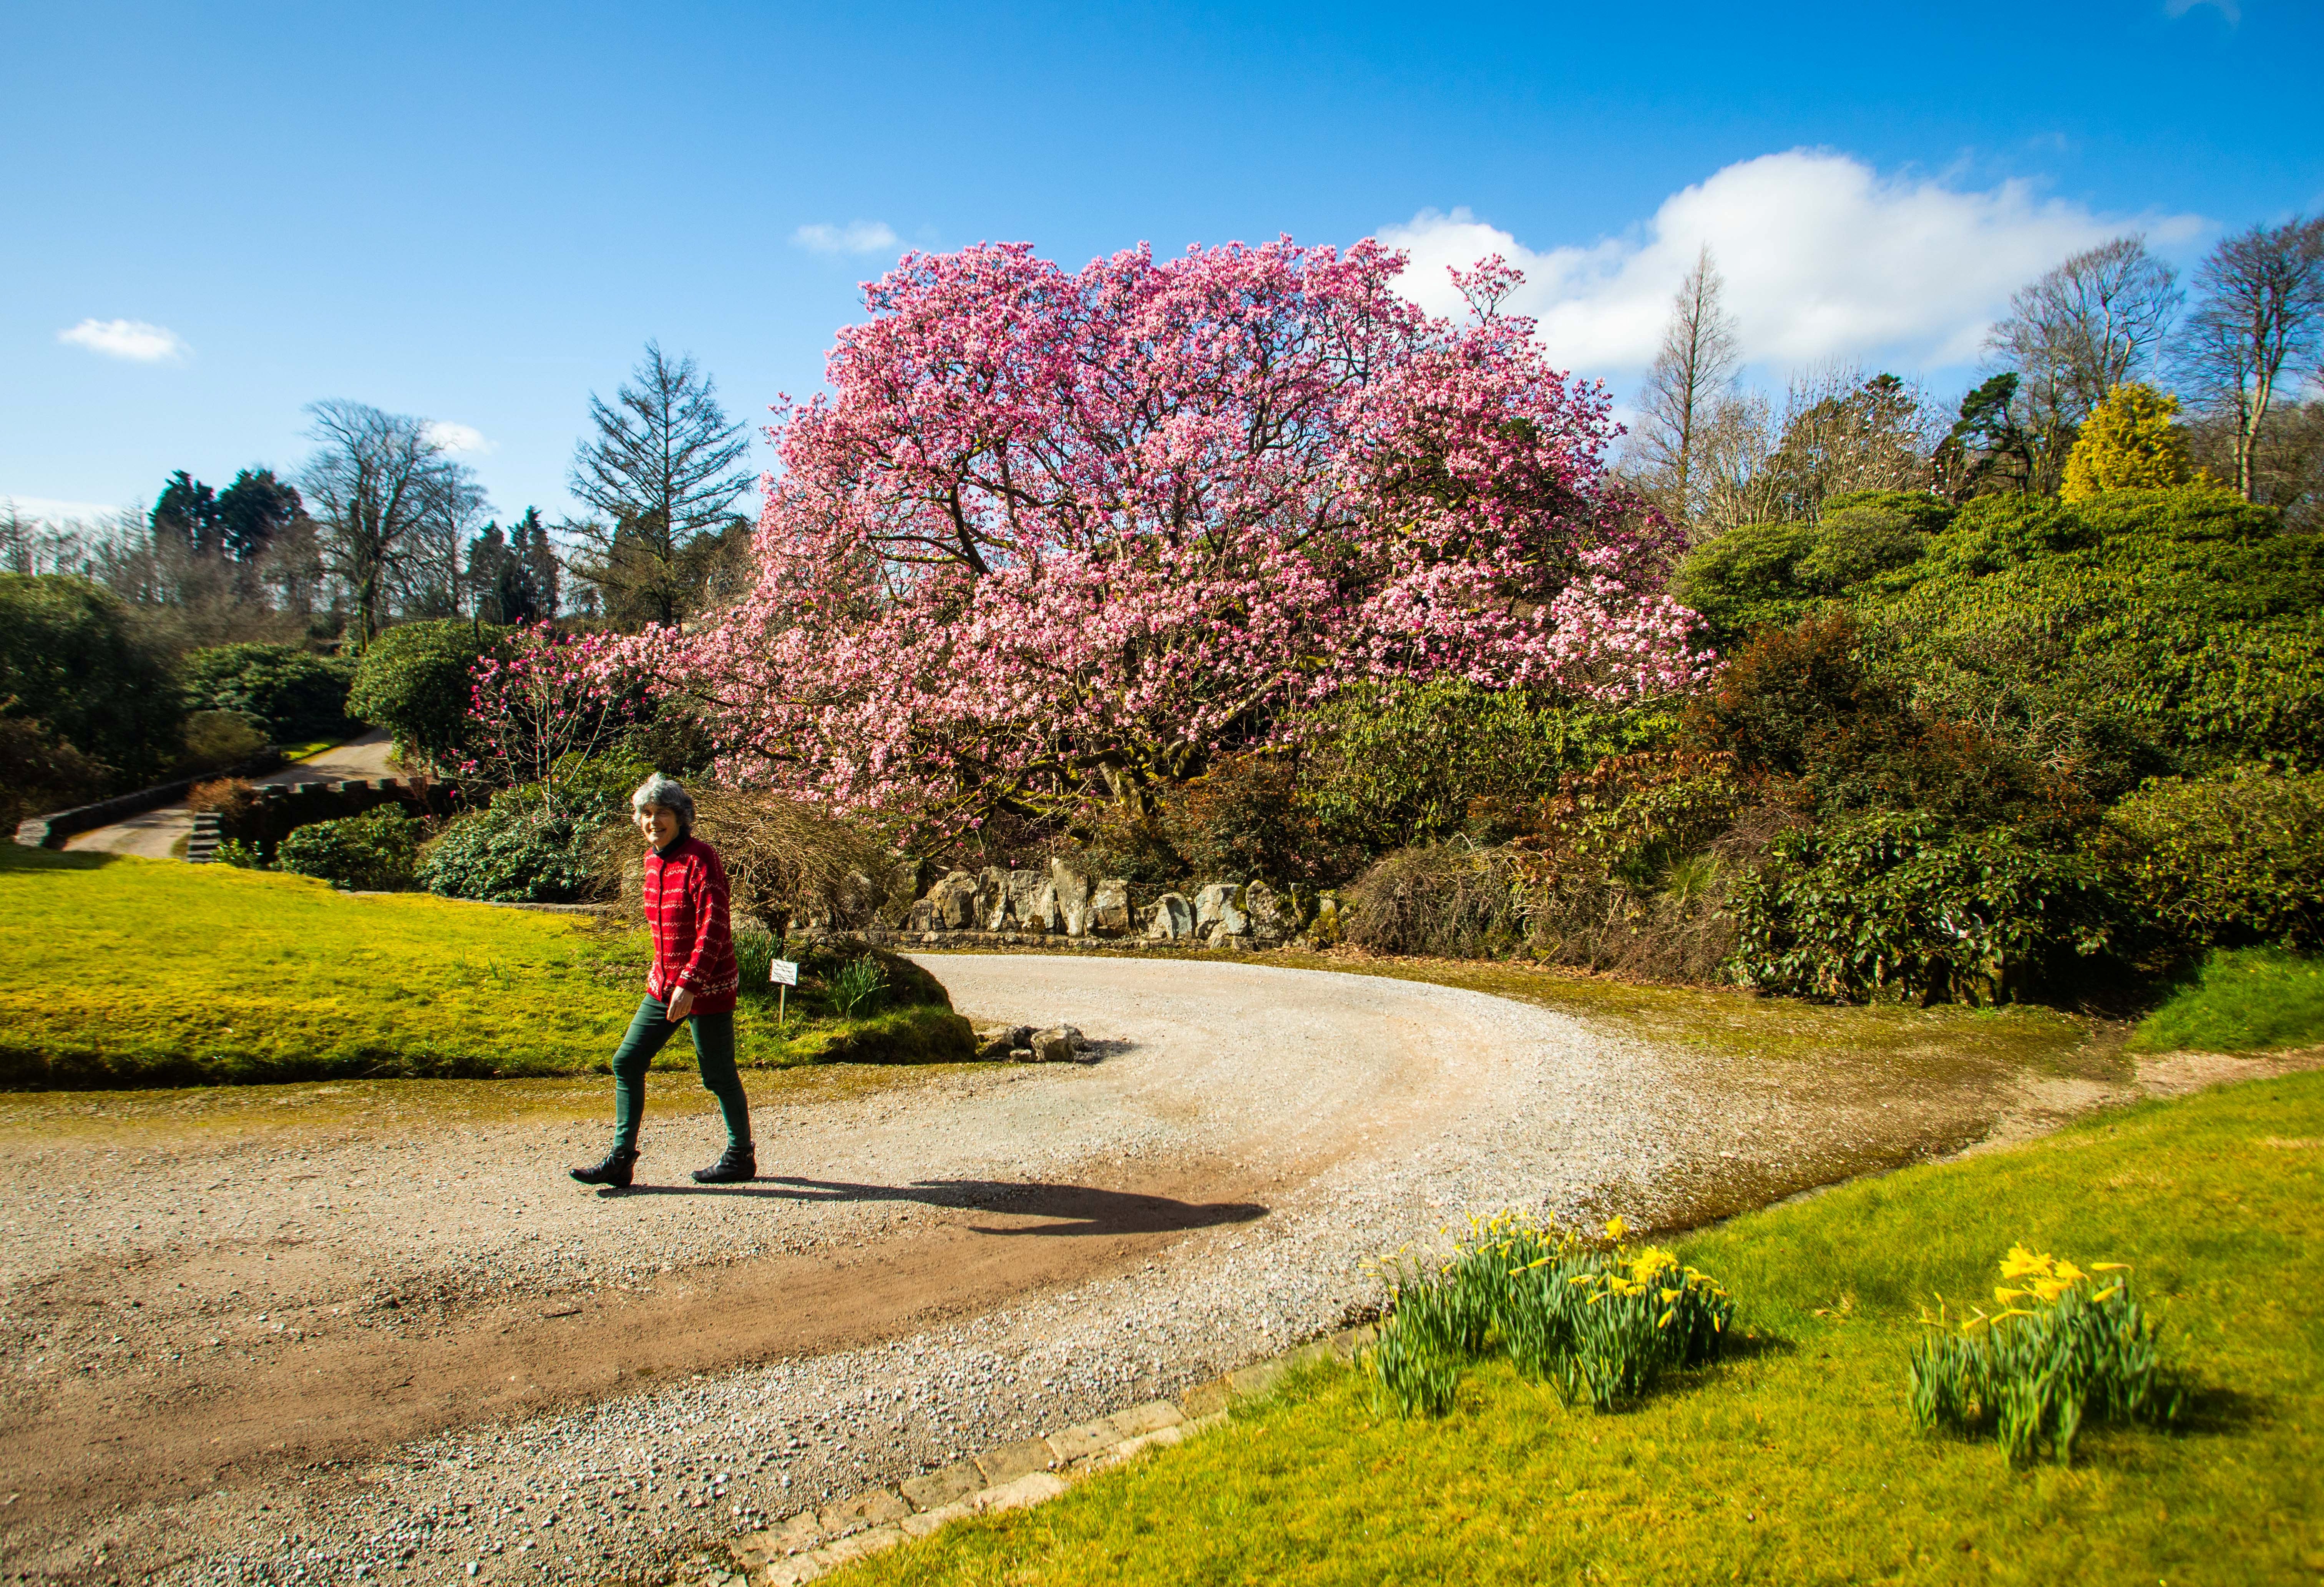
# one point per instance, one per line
(740, 1163)
(614, 1171)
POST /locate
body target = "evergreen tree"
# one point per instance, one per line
(2129, 443)
(253, 510)
(186, 514)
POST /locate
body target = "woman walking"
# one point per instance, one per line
(693, 981)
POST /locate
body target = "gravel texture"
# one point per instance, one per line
(1364, 1115)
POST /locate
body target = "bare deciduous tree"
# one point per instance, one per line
(1676, 407)
(2086, 326)
(1837, 432)
(661, 469)
(2261, 318)
(392, 506)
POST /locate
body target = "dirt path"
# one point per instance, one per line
(387, 1331)
(156, 834)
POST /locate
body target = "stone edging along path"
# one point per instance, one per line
(1008, 1476)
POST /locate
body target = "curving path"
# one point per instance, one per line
(390, 1324)
(156, 834)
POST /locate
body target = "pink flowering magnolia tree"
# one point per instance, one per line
(547, 696)
(1054, 535)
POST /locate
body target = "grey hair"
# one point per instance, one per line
(667, 793)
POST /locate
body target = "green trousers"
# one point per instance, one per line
(713, 1050)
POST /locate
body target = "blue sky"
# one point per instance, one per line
(478, 213)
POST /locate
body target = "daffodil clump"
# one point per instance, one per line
(1593, 1317)
(2066, 1347)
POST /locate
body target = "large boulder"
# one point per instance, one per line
(1026, 911)
(1109, 909)
(1218, 912)
(1330, 925)
(1273, 917)
(1174, 919)
(991, 898)
(1073, 898)
(953, 902)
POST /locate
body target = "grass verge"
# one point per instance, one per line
(1794, 1460)
(2240, 1001)
(141, 973)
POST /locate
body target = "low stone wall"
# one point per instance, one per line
(50, 831)
(1015, 906)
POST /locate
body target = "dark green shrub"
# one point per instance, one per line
(2174, 630)
(39, 773)
(1899, 906)
(1243, 818)
(1816, 710)
(1388, 767)
(1763, 575)
(293, 694)
(71, 661)
(415, 682)
(2229, 859)
(521, 850)
(375, 852)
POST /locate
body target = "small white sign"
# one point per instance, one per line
(782, 972)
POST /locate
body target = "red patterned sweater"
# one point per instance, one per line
(685, 906)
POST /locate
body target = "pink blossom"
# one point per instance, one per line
(1052, 533)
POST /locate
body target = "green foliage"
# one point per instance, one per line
(1898, 906)
(1812, 709)
(292, 693)
(522, 849)
(71, 661)
(2226, 860)
(377, 851)
(2172, 630)
(2241, 1000)
(858, 986)
(1241, 818)
(2068, 1350)
(216, 739)
(414, 681)
(597, 787)
(1394, 766)
(1765, 575)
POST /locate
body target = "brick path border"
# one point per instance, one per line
(1006, 1477)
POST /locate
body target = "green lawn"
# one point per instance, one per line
(137, 972)
(2240, 1001)
(1795, 1461)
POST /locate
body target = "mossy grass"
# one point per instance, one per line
(307, 749)
(2241, 1000)
(1794, 1459)
(128, 972)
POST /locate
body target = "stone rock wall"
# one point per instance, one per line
(1064, 903)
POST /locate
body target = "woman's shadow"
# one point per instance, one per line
(1071, 1209)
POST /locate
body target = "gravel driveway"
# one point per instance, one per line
(401, 1346)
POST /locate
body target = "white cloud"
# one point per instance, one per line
(454, 438)
(133, 339)
(2225, 8)
(857, 236)
(56, 510)
(1823, 257)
